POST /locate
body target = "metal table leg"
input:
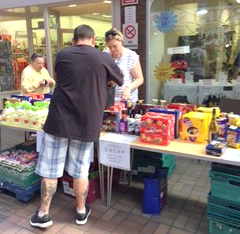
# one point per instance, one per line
(101, 174)
(109, 185)
(131, 163)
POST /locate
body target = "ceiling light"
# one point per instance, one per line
(202, 12)
(95, 13)
(107, 16)
(74, 5)
(238, 1)
(107, 1)
(202, 9)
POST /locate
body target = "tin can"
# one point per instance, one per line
(131, 125)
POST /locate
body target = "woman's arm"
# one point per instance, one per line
(138, 80)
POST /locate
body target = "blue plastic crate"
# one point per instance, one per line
(225, 186)
(22, 194)
(155, 192)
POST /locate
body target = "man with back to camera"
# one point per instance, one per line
(35, 77)
(74, 121)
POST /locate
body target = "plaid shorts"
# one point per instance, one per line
(57, 154)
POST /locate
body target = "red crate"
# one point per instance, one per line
(93, 190)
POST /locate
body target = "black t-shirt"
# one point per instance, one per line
(78, 102)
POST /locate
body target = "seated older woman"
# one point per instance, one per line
(35, 77)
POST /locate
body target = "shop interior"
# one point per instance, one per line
(24, 28)
(200, 42)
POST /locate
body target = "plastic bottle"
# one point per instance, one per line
(123, 125)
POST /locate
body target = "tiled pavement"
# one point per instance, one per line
(184, 213)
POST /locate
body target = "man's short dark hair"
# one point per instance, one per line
(82, 32)
(35, 56)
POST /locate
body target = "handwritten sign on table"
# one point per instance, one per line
(115, 150)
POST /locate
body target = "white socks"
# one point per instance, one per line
(40, 214)
(83, 211)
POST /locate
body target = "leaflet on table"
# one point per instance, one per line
(114, 150)
(231, 155)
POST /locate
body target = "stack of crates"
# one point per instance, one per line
(145, 163)
(6, 70)
(23, 183)
(224, 199)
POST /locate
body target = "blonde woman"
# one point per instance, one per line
(128, 61)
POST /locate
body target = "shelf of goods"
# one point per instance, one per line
(6, 70)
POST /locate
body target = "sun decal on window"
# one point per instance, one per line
(166, 21)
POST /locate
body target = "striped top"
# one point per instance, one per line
(126, 62)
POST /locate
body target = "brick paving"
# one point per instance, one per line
(184, 213)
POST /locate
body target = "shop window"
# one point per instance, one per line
(194, 51)
(13, 50)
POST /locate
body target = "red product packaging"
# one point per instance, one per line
(117, 107)
(184, 108)
(157, 128)
(35, 96)
(179, 76)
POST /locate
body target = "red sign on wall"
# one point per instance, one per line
(129, 2)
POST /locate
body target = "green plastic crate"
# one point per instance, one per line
(220, 226)
(144, 164)
(225, 186)
(224, 209)
(168, 160)
(171, 169)
(23, 179)
(227, 169)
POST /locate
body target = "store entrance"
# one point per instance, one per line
(97, 15)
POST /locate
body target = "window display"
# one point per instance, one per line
(194, 46)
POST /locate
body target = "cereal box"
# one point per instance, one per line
(195, 127)
(233, 136)
(157, 128)
(222, 127)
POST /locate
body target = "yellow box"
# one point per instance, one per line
(209, 110)
(195, 127)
